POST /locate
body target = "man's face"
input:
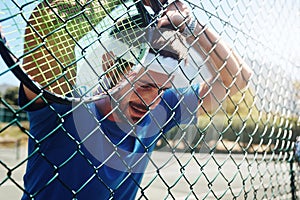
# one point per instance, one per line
(143, 94)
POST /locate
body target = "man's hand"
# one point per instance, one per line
(177, 14)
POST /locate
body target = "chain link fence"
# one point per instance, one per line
(242, 150)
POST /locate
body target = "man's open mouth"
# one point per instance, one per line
(139, 109)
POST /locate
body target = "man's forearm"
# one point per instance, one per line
(226, 64)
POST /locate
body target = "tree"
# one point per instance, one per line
(241, 103)
(11, 95)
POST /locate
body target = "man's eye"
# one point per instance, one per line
(145, 86)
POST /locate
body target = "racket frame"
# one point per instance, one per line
(14, 65)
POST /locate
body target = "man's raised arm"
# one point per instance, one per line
(229, 71)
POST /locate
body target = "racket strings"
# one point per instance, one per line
(127, 31)
(54, 31)
(48, 59)
(116, 71)
(56, 28)
(114, 76)
(117, 74)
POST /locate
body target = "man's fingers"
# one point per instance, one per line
(163, 21)
(176, 14)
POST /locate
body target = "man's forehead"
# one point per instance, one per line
(157, 78)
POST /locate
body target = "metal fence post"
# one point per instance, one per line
(293, 187)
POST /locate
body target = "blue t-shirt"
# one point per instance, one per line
(77, 153)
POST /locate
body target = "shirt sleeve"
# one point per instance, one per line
(24, 102)
(44, 118)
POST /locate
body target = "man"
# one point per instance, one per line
(100, 150)
(297, 150)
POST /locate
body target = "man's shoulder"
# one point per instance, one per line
(174, 95)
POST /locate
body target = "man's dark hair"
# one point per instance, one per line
(168, 43)
(165, 41)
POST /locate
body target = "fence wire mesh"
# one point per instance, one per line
(243, 149)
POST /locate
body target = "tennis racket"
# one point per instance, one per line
(70, 50)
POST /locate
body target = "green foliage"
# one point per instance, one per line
(11, 95)
(238, 127)
(242, 103)
(220, 134)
